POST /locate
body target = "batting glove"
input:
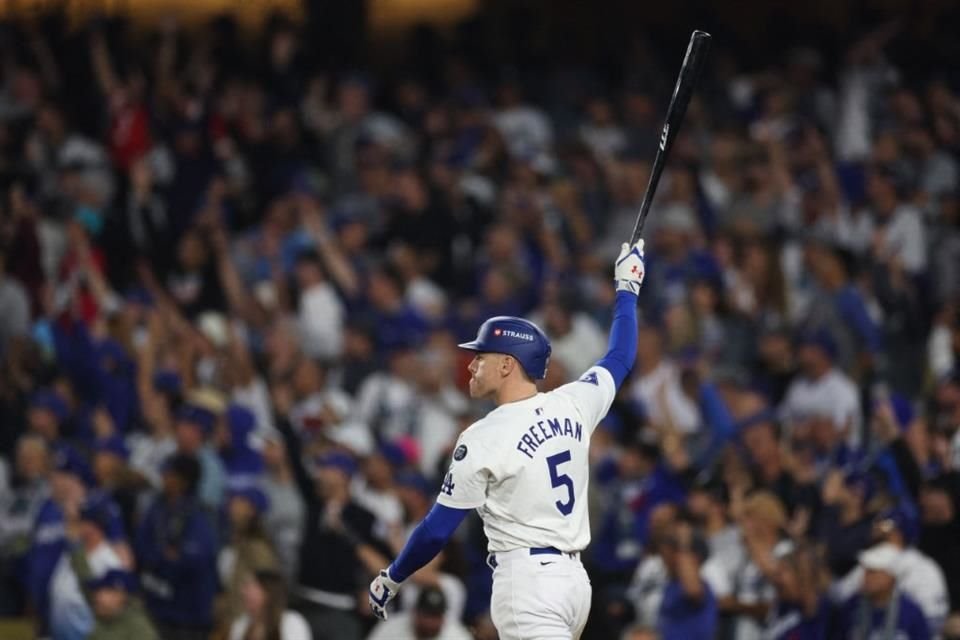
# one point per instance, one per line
(629, 269)
(383, 589)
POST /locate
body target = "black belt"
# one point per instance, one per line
(535, 551)
(539, 551)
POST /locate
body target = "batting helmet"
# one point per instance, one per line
(517, 337)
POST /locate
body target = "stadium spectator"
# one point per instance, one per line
(899, 233)
(650, 579)
(176, 553)
(248, 550)
(336, 530)
(239, 451)
(427, 620)
(374, 489)
(265, 613)
(846, 523)
(576, 339)
(938, 522)
(822, 407)
(801, 609)
(284, 518)
(657, 385)
(442, 405)
(439, 574)
(919, 575)
(386, 401)
(837, 316)
(688, 607)
(881, 606)
(89, 557)
(69, 482)
(110, 456)
(13, 298)
(320, 312)
(19, 505)
(47, 412)
(763, 521)
(193, 430)
(118, 613)
(770, 465)
(708, 505)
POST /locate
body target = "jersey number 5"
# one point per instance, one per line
(561, 480)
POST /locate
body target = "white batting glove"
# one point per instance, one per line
(383, 589)
(629, 269)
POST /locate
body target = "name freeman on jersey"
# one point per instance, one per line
(537, 434)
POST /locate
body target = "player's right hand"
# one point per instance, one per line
(383, 589)
(629, 269)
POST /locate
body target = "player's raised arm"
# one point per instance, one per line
(594, 392)
(629, 272)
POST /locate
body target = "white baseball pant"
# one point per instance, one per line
(540, 596)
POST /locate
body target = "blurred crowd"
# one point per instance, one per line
(232, 280)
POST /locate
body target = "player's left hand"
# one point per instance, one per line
(383, 589)
(629, 269)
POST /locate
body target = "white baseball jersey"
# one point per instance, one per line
(525, 466)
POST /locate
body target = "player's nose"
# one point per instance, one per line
(472, 367)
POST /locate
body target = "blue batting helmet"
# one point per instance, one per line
(517, 337)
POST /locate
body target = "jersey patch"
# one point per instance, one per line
(460, 453)
(591, 378)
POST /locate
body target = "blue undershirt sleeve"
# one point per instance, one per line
(426, 541)
(623, 338)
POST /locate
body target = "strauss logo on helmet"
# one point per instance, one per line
(510, 333)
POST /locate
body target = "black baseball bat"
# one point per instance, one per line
(686, 81)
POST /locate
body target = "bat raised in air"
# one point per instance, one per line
(686, 81)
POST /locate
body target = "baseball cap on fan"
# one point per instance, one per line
(49, 400)
(900, 518)
(99, 511)
(114, 579)
(820, 339)
(883, 557)
(112, 444)
(67, 460)
(432, 601)
(345, 463)
(197, 416)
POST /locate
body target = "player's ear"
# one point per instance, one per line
(507, 363)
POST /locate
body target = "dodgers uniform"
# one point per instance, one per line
(525, 469)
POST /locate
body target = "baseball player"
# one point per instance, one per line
(524, 468)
